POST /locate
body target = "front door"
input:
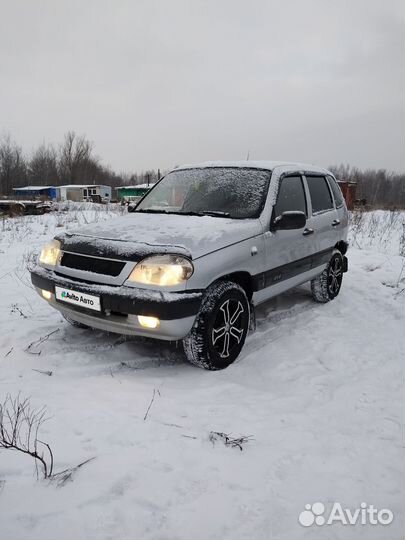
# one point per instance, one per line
(288, 252)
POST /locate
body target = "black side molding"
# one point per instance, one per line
(292, 269)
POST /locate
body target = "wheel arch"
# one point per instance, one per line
(341, 246)
(243, 279)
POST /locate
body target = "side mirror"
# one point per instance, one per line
(289, 220)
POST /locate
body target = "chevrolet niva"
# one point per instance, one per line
(203, 247)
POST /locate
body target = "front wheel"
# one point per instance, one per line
(327, 285)
(220, 328)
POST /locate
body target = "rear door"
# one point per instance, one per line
(324, 217)
(341, 210)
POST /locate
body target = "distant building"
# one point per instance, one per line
(73, 192)
(133, 192)
(84, 192)
(43, 192)
(349, 192)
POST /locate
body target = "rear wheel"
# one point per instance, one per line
(327, 285)
(220, 329)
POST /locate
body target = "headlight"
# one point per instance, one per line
(50, 254)
(162, 270)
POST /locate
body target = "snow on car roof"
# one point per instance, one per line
(269, 165)
(83, 185)
(33, 188)
(136, 186)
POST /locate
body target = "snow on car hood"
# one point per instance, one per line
(199, 235)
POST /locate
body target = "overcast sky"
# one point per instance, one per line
(160, 83)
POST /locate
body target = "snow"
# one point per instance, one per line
(135, 186)
(255, 164)
(146, 185)
(319, 387)
(4, 202)
(278, 167)
(197, 235)
(32, 188)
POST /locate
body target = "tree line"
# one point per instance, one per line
(71, 162)
(377, 188)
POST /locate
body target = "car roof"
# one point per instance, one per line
(268, 165)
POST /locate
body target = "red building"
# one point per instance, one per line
(349, 192)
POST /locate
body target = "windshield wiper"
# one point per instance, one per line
(163, 211)
(153, 211)
(190, 213)
(215, 213)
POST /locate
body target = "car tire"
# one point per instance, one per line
(74, 323)
(327, 285)
(220, 328)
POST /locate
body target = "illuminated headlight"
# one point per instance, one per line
(50, 254)
(162, 270)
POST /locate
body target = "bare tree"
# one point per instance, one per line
(12, 165)
(73, 163)
(43, 167)
(75, 159)
(78, 165)
(19, 427)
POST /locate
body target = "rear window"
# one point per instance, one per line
(320, 194)
(337, 194)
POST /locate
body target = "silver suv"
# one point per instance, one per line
(206, 245)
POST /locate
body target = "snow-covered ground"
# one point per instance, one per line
(319, 387)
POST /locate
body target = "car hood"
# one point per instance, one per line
(195, 235)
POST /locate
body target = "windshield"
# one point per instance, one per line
(224, 192)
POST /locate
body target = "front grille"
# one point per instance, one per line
(92, 264)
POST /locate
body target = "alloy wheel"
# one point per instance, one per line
(335, 275)
(228, 328)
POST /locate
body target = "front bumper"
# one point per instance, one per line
(120, 306)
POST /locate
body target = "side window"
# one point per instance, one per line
(337, 194)
(320, 194)
(291, 196)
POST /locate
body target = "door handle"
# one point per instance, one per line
(335, 222)
(307, 232)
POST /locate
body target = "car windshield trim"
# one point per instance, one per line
(262, 192)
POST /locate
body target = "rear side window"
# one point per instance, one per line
(320, 194)
(337, 194)
(291, 196)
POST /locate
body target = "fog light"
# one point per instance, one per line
(46, 294)
(148, 322)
